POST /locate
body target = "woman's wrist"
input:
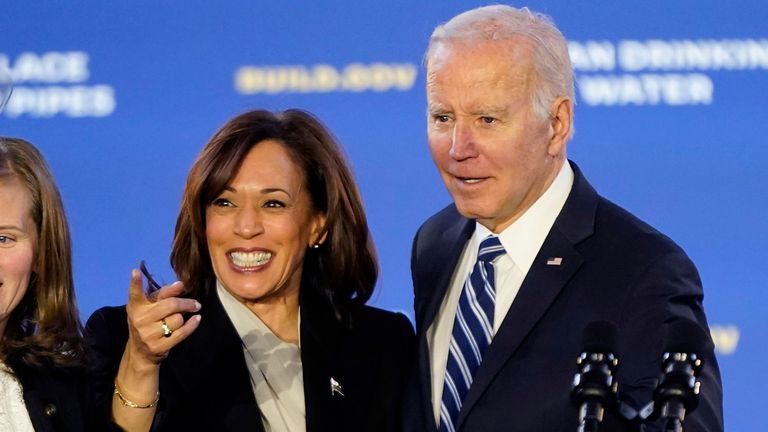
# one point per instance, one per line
(137, 381)
(137, 364)
(130, 403)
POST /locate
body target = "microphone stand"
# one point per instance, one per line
(678, 391)
(594, 386)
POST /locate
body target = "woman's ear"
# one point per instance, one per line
(319, 231)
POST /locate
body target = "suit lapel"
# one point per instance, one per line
(539, 289)
(211, 362)
(322, 360)
(541, 286)
(439, 265)
(436, 265)
(216, 346)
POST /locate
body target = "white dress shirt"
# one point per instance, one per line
(522, 241)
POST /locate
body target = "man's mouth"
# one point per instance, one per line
(471, 180)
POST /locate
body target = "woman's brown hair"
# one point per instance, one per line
(45, 327)
(344, 268)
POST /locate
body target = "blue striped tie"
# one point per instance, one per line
(472, 332)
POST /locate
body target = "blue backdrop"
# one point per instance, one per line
(670, 118)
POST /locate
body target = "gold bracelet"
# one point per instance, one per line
(131, 404)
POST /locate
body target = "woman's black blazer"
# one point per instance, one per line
(57, 399)
(205, 384)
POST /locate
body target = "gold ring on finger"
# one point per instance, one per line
(167, 332)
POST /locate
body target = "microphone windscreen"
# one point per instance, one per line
(685, 336)
(600, 337)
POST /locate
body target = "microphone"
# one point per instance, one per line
(594, 386)
(678, 389)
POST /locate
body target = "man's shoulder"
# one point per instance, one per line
(614, 223)
(441, 221)
(612, 226)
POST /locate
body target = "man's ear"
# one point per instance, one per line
(561, 119)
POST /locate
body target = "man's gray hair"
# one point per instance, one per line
(554, 73)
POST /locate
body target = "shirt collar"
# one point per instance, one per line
(523, 239)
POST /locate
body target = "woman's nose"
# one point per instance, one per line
(248, 222)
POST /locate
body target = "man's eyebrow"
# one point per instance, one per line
(488, 109)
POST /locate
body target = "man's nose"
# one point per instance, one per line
(463, 145)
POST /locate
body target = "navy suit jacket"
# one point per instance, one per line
(205, 384)
(615, 268)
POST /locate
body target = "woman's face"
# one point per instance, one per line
(260, 226)
(18, 241)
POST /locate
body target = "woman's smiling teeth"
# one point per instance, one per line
(250, 259)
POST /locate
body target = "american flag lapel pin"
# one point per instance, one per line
(554, 261)
(336, 388)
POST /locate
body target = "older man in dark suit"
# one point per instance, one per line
(528, 254)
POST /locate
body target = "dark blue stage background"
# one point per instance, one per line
(670, 121)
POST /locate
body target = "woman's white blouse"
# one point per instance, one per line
(275, 367)
(14, 416)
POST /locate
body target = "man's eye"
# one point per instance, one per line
(488, 120)
(442, 118)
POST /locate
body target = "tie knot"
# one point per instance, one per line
(490, 249)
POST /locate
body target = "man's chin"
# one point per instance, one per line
(470, 211)
(483, 217)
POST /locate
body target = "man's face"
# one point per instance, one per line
(494, 154)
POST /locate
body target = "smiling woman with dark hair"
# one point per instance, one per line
(267, 328)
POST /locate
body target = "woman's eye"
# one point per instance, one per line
(4, 240)
(222, 202)
(274, 204)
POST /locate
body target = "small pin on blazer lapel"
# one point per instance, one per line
(336, 389)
